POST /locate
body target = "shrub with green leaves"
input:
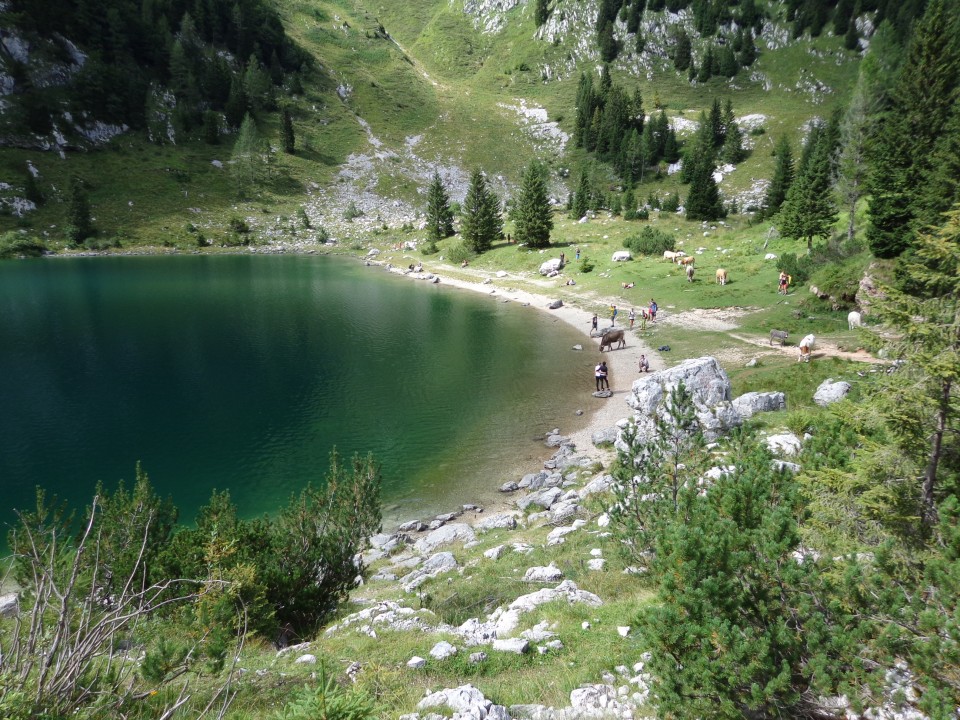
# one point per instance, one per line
(15, 244)
(650, 241)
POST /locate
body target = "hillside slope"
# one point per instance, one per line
(394, 92)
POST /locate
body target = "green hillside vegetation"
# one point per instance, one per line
(764, 596)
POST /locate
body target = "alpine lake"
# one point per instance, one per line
(243, 372)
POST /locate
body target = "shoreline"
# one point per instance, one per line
(599, 413)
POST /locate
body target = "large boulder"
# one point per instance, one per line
(751, 403)
(551, 266)
(9, 605)
(495, 522)
(708, 385)
(830, 392)
(465, 702)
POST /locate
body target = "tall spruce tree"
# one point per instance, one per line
(581, 199)
(703, 200)
(682, 51)
(439, 213)
(783, 173)
(80, 223)
(286, 132)
(534, 216)
(903, 149)
(481, 222)
(809, 210)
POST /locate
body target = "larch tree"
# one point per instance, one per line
(481, 220)
(852, 158)
(534, 216)
(439, 213)
(249, 157)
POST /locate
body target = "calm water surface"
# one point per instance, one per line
(243, 372)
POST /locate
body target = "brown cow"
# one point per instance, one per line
(610, 337)
(686, 260)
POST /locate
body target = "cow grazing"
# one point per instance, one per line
(611, 337)
(690, 271)
(854, 320)
(671, 256)
(686, 260)
(721, 276)
(806, 345)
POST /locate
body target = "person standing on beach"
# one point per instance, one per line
(633, 317)
(600, 373)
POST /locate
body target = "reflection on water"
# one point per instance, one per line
(243, 372)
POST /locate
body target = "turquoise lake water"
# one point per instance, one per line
(242, 372)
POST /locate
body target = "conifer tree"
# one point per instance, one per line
(80, 223)
(809, 210)
(481, 220)
(717, 123)
(439, 213)
(534, 216)
(237, 105)
(634, 16)
(581, 200)
(738, 629)
(585, 105)
(703, 200)
(940, 189)
(706, 65)
(902, 151)
(783, 174)
(629, 204)
(542, 12)
(286, 129)
(682, 52)
(732, 151)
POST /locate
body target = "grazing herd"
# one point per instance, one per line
(688, 263)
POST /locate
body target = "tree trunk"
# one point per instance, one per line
(930, 474)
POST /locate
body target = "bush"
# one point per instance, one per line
(671, 203)
(650, 241)
(798, 268)
(352, 211)
(459, 251)
(586, 265)
(14, 244)
(238, 225)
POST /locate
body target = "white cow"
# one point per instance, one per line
(621, 256)
(854, 320)
(806, 345)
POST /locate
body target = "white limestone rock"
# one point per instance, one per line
(452, 533)
(830, 392)
(550, 573)
(436, 565)
(416, 662)
(784, 444)
(505, 521)
(749, 404)
(443, 650)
